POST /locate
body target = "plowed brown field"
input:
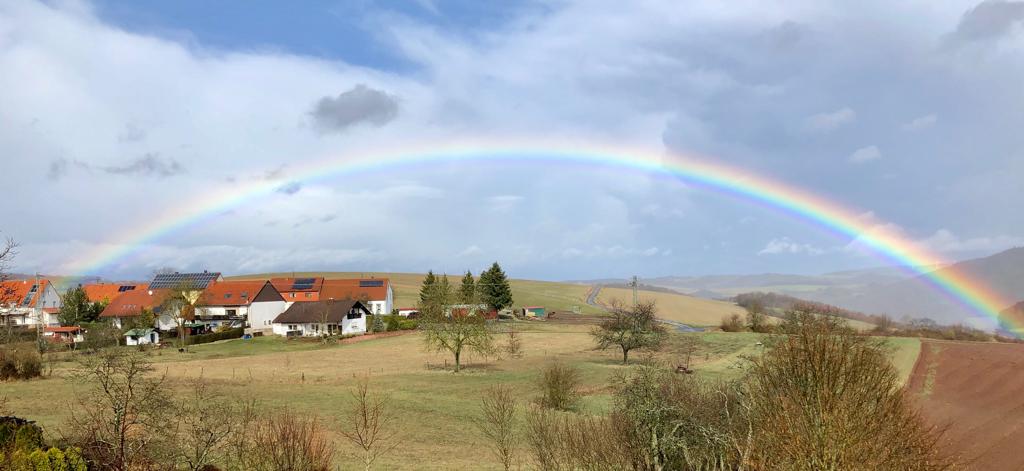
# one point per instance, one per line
(977, 391)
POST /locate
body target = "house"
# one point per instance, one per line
(375, 293)
(408, 311)
(298, 289)
(130, 304)
(533, 311)
(195, 281)
(329, 317)
(252, 304)
(67, 335)
(106, 292)
(141, 337)
(29, 302)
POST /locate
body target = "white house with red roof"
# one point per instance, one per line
(30, 302)
(375, 293)
(240, 303)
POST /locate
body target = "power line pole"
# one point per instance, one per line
(634, 282)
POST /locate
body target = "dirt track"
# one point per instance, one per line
(977, 390)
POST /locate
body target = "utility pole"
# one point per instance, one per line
(634, 282)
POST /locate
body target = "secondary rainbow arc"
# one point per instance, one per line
(701, 172)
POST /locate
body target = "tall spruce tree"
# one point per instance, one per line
(494, 288)
(467, 292)
(427, 290)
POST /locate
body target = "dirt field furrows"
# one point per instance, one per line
(977, 391)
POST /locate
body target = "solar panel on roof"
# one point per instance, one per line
(303, 284)
(371, 283)
(176, 280)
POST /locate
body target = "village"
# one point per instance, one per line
(177, 306)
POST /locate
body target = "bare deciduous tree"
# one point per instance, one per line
(454, 330)
(207, 422)
(121, 421)
(630, 328)
(369, 424)
(498, 422)
(288, 441)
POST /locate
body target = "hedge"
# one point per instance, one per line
(207, 338)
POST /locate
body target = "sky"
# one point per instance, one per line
(115, 113)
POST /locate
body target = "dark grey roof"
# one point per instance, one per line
(178, 280)
(330, 312)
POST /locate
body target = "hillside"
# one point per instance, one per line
(1002, 272)
(676, 307)
(552, 295)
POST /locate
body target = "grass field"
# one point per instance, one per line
(406, 286)
(677, 307)
(435, 406)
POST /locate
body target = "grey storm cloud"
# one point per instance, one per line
(360, 105)
(290, 188)
(989, 19)
(148, 165)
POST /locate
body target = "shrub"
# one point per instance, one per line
(28, 437)
(377, 323)
(8, 368)
(394, 323)
(824, 397)
(733, 323)
(498, 422)
(559, 386)
(287, 441)
(29, 364)
(408, 324)
(558, 442)
(233, 333)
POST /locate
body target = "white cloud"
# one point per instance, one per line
(865, 154)
(827, 122)
(945, 241)
(470, 251)
(921, 122)
(785, 245)
(504, 202)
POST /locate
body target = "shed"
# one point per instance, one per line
(141, 337)
(534, 311)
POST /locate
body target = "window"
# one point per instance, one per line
(355, 314)
(231, 312)
(309, 295)
(291, 327)
(293, 295)
(227, 295)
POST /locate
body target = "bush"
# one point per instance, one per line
(394, 323)
(286, 441)
(559, 386)
(28, 437)
(733, 323)
(20, 365)
(376, 323)
(408, 324)
(53, 459)
(825, 397)
(234, 333)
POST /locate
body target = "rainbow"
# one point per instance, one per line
(860, 227)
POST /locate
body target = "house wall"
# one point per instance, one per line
(261, 315)
(348, 327)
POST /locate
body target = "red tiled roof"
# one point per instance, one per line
(100, 292)
(14, 291)
(286, 285)
(51, 310)
(70, 329)
(350, 289)
(231, 293)
(131, 303)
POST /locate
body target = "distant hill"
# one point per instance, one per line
(1003, 273)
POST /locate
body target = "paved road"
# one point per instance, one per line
(596, 290)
